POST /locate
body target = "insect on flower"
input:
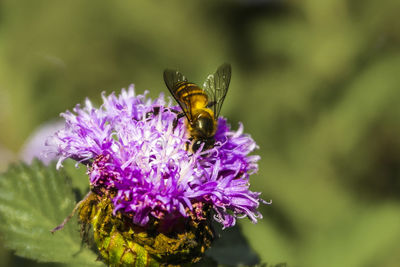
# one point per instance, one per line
(150, 200)
(200, 106)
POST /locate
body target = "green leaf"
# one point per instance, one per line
(232, 248)
(77, 172)
(33, 200)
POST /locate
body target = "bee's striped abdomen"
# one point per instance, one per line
(193, 96)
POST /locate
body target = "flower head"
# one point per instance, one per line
(140, 151)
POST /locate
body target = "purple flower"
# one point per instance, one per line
(132, 149)
(34, 146)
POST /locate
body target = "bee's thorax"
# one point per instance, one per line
(203, 124)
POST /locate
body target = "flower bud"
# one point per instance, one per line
(160, 243)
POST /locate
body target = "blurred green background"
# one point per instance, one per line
(316, 84)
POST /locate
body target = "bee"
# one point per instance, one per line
(200, 106)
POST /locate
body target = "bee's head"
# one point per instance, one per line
(203, 125)
(208, 143)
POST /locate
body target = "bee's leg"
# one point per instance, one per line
(155, 112)
(175, 123)
(188, 143)
(175, 111)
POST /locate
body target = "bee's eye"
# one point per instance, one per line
(196, 145)
(206, 143)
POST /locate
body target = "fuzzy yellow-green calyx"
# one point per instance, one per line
(121, 243)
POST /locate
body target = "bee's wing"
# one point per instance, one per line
(171, 78)
(216, 86)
